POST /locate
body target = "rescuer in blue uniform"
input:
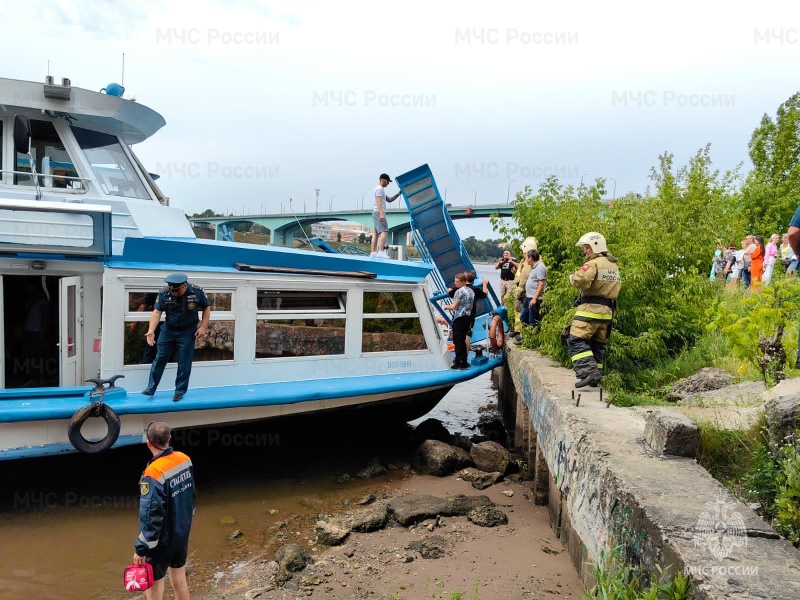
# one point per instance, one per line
(181, 301)
(166, 508)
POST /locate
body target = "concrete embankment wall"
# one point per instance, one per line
(605, 487)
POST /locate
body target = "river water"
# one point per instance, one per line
(68, 523)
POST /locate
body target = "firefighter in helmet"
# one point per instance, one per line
(598, 281)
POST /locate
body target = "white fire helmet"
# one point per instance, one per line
(596, 240)
(529, 244)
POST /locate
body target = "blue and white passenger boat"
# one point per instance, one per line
(85, 233)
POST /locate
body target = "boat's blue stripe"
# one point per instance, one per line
(56, 406)
(61, 448)
(211, 255)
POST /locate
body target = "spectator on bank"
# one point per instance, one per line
(770, 257)
(534, 289)
(748, 246)
(757, 262)
(508, 268)
(788, 258)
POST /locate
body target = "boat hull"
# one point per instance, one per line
(29, 439)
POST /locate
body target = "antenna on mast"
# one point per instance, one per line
(123, 70)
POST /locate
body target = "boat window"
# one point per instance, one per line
(283, 301)
(216, 345)
(51, 159)
(294, 323)
(111, 165)
(276, 338)
(391, 323)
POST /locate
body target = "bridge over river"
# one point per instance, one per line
(284, 227)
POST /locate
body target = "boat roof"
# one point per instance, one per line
(132, 121)
(190, 254)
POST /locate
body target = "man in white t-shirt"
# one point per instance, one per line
(379, 216)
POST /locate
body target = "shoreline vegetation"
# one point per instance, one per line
(672, 318)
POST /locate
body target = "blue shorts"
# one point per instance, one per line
(380, 224)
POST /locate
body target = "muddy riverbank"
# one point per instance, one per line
(73, 519)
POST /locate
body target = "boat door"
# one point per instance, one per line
(70, 332)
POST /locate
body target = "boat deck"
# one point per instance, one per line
(39, 404)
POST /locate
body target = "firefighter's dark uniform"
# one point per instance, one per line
(166, 508)
(599, 282)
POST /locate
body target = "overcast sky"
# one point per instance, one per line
(269, 100)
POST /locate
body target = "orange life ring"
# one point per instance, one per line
(496, 334)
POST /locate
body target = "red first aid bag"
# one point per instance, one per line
(138, 578)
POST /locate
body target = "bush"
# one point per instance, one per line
(754, 327)
(662, 243)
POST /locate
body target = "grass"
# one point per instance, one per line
(742, 461)
(615, 580)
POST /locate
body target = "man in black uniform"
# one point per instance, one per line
(181, 301)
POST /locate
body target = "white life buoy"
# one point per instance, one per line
(496, 334)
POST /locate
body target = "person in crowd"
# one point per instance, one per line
(718, 263)
(788, 258)
(508, 268)
(534, 289)
(730, 261)
(770, 258)
(749, 246)
(181, 301)
(524, 270)
(462, 310)
(757, 262)
(479, 294)
(166, 508)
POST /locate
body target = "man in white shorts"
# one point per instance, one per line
(379, 216)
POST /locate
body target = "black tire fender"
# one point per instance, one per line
(103, 411)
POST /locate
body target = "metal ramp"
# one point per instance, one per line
(438, 241)
(318, 242)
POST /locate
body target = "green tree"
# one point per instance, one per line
(772, 188)
(482, 250)
(206, 213)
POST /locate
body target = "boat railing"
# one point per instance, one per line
(45, 177)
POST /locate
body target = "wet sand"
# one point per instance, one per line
(522, 559)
